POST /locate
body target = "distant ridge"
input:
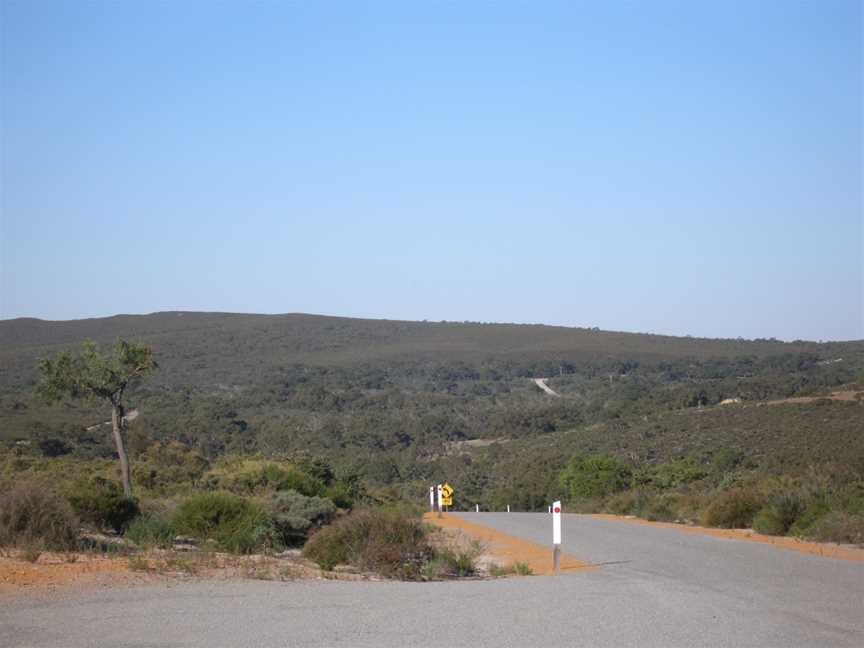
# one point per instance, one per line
(210, 348)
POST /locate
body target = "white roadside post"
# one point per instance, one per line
(476, 508)
(508, 508)
(440, 501)
(432, 498)
(556, 536)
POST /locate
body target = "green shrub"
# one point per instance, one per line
(519, 568)
(293, 479)
(850, 498)
(814, 511)
(631, 502)
(150, 531)
(661, 509)
(733, 509)
(594, 476)
(838, 526)
(768, 522)
(672, 474)
(340, 495)
(778, 516)
(253, 475)
(390, 544)
(622, 503)
(33, 517)
(460, 561)
(103, 504)
(295, 515)
(726, 460)
(168, 466)
(236, 524)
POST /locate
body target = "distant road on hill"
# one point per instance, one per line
(541, 383)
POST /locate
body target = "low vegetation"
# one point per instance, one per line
(32, 518)
(818, 504)
(385, 542)
(259, 433)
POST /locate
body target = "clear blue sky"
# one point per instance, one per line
(674, 167)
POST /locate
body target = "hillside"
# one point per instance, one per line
(390, 400)
(207, 349)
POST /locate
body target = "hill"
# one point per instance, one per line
(206, 349)
(392, 401)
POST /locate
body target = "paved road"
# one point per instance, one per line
(658, 587)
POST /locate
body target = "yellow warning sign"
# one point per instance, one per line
(447, 495)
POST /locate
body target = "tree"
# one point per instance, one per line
(99, 375)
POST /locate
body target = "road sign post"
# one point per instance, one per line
(440, 500)
(556, 536)
(432, 498)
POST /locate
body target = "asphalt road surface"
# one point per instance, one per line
(654, 587)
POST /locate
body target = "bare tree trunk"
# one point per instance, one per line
(118, 424)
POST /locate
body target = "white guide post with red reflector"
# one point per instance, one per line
(440, 499)
(556, 536)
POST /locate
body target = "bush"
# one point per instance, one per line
(149, 531)
(838, 526)
(623, 503)
(778, 516)
(726, 460)
(252, 476)
(733, 509)
(661, 509)
(460, 561)
(390, 544)
(295, 515)
(672, 474)
(234, 523)
(54, 447)
(594, 476)
(815, 510)
(519, 568)
(102, 504)
(32, 516)
(340, 495)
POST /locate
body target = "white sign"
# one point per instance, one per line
(556, 522)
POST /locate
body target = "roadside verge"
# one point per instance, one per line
(510, 549)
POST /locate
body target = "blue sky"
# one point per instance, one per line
(670, 167)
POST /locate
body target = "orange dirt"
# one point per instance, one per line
(55, 570)
(840, 552)
(510, 549)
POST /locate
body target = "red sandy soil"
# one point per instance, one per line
(508, 549)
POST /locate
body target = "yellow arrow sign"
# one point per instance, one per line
(447, 495)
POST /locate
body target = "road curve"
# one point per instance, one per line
(655, 587)
(541, 383)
